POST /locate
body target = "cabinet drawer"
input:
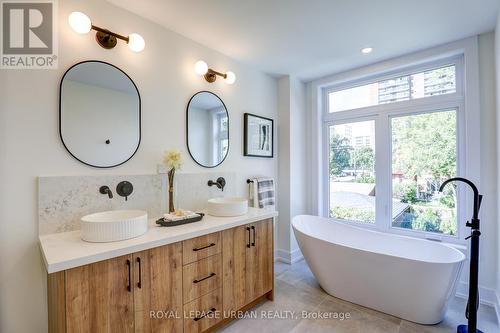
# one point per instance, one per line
(201, 277)
(203, 313)
(200, 247)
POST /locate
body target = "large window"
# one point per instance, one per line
(390, 144)
(432, 82)
(352, 171)
(424, 154)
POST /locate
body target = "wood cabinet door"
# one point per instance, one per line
(259, 260)
(99, 297)
(235, 243)
(158, 289)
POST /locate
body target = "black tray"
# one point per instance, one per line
(163, 223)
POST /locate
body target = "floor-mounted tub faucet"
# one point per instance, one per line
(474, 224)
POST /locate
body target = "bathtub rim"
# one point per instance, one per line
(296, 229)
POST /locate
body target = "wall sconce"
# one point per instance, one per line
(201, 68)
(81, 24)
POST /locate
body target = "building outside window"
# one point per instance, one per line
(399, 126)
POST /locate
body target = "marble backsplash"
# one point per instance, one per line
(62, 201)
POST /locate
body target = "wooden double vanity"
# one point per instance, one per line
(169, 282)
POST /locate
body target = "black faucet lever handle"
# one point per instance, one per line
(125, 189)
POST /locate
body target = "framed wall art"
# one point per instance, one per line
(258, 136)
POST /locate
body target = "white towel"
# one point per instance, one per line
(263, 192)
(254, 192)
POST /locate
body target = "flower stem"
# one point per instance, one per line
(171, 174)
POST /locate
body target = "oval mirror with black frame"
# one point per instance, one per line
(99, 114)
(207, 122)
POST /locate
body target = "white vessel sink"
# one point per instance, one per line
(114, 225)
(227, 206)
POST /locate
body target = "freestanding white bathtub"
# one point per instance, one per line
(406, 277)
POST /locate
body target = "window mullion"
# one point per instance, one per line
(383, 172)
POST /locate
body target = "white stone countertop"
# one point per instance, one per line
(67, 250)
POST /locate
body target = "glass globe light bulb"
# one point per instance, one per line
(80, 22)
(200, 68)
(136, 43)
(230, 78)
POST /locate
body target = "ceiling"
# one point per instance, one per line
(313, 38)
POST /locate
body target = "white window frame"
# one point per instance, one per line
(463, 54)
(221, 135)
(218, 135)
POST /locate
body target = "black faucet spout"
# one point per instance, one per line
(105, 190)
(478, 198)
(220, 183)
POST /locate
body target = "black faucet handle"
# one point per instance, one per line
(124, 189)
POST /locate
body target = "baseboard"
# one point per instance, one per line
(487, 296)
(288, 257)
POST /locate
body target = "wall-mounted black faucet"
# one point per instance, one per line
(105, 190)
(125, 189)
(220, 183)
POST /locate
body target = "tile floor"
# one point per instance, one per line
(297, 290)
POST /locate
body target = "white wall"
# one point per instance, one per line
(284, 190)
(293, 162)
(298, 151)
(298, 158)
(489, 166)
(497, 89)
(30, 144)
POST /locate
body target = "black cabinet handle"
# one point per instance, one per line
(129, 286)
(204, 247)
(248, 244)
(206, 277)
(139, 284)
(212, 310)
(253, 229)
